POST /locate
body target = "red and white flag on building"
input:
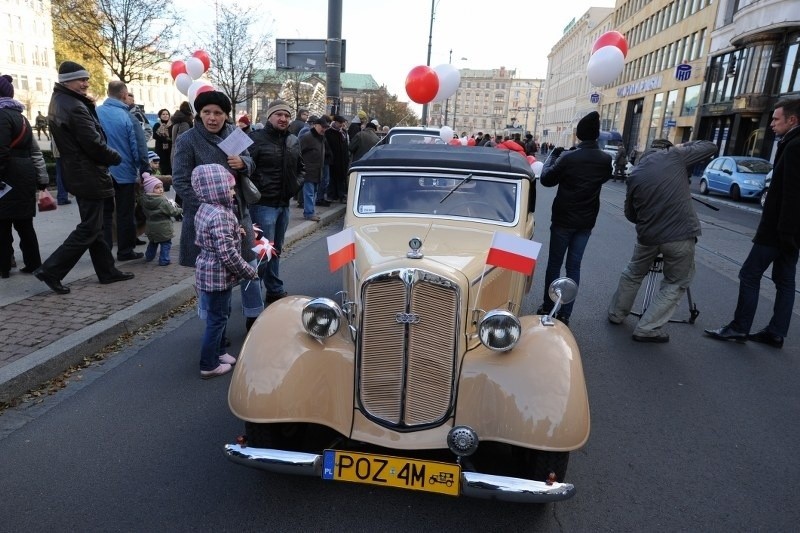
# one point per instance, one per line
(341, 249)
(513, 253)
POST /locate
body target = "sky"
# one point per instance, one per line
(387, 38)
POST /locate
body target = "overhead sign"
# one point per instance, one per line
(683, 72)
(303, 54)
(594, 98)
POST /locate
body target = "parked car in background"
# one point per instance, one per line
(767, 181)
(613, 153)
(412, 135)
(425, 375)
(737, 176)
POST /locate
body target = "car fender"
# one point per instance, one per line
(283, 374)
(532, 396)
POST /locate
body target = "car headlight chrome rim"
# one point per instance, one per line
(499, 330)
(321, 317)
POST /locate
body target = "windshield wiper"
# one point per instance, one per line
(454, 189)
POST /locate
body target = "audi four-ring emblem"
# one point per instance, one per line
(407, 318)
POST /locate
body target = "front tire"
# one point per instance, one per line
(284, 436)
(539, 464)
(736, 193)
(704, 187)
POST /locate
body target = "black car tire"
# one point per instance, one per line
(703, 187)
(538, 464)
(736, 194)
(284, 436)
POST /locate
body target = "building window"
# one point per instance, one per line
(691, 97)
(790, 79)
(39, 85)
(669, 112)
(655, 118)
(23, 83)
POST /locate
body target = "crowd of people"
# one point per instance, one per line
(222, 199)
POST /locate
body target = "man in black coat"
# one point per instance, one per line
(85, 158)
(776, 241)
(579, 174)
(338, 143)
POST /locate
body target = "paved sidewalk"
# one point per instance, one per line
(44, 333)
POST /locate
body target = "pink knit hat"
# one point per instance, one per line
(149, 182)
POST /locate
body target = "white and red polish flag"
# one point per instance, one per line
(341, 249)
(513, 253)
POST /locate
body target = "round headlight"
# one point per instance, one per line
(499, 330)
(321, 317)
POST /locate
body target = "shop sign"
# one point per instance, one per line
(648, 84)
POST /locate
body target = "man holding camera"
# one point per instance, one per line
(659, 202)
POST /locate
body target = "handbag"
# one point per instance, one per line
(250, 192)
(46, 201)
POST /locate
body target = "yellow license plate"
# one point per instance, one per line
(428, 476)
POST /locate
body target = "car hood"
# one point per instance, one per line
(459, 249)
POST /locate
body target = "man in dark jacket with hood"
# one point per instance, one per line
(659, 202)
(776, 241)
(278, 174)
(85, 157)
(579, 174)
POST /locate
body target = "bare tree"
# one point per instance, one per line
(129, 36)
(237, 49)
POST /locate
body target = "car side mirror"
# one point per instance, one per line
(727, 171)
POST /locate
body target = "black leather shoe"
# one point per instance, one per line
(323, 203)
(726, 333)
(140, 242)
(54, 284)
(130, 257)
(117, 276)
(270, 298)
(765, 337)
(563, 318)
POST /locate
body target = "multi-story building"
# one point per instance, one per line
(695, 69)
(752, 62)
(524, 106)
(567, 94)
(481, 102)
(27, 52)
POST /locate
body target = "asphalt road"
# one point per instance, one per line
(693, 435)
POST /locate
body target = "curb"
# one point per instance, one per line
(36, 368)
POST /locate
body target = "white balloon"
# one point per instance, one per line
(605, 65)
(463, 141)
(537, 167)
(182, 83)
(194, 67)
(446, 133)
(449, 80)
(192, 92)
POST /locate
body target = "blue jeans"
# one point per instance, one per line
(215, 308)
(784, 265)
(569, 242)
(273, 222)
(163, 257)
(309, 198)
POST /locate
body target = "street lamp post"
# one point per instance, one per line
(447, 102)
(430, 42)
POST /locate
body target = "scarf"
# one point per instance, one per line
(10, 103)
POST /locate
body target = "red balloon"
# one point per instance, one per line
(204, 89)
(203, 56)
(531, 159)
(611, 38)
(452, 142)
(471, 142)
(422, 84)
(178, 67)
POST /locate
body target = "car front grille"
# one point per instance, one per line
(408, 343)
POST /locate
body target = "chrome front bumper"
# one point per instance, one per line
(473, 484)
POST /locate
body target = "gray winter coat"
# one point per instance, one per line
(659, 201)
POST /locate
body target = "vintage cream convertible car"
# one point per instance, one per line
(423, 375)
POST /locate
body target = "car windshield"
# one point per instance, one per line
(414, 138)
(478, 197)
(753, 166)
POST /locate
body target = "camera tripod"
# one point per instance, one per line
(656, 269)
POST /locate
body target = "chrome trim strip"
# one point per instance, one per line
(473, 484)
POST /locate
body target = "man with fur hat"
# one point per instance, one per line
(85, 158)
(659, 202)
(278, 174)
(579, 174)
